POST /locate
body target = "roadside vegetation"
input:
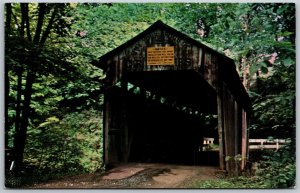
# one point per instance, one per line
(273, 170)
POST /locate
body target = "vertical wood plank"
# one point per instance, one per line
(106, 122)
(236, 138)
(239, 130)
(244, 138)
(247, 134)
(220, 109)
(124, 122)
(200, 61)
(220, 130)
(231, 129)
(225, 122)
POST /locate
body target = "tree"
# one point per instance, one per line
(26, 42)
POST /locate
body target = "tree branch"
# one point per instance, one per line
(27, 22)
(22, 31)
(8, 17)
(39, 25)
(49, 26)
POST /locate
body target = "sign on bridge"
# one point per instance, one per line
(160, 55)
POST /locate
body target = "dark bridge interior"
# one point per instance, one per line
(185, 87)
(169, 132)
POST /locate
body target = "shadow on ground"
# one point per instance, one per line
(137, 175)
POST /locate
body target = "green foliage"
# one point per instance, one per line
(64, 82)
(274, 101)
(237, 158)
(102, 27)
(72, 144)
(278, 170)
(232, 183)
(211, 147)
(274, 108)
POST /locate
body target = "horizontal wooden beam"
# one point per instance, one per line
(268, 141)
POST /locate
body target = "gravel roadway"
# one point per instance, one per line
(136, 175)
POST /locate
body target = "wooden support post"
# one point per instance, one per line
(247, 134)
(236, 138)
(226, 125)
(220, 128)
(244, 139)
(229, 130)
(231, 133)
(124, 122)
(220, 109)
(106, 124)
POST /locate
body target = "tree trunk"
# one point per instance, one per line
(27, 22)
(18, 129)
(19, 74)
(18, 105)
(246, 72)
(21, 135)
(7, 122)
(7, 28)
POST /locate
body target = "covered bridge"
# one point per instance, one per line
(165, 92)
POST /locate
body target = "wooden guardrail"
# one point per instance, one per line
(208, 144)
(266, 143)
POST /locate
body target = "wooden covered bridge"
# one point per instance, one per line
(165, 92)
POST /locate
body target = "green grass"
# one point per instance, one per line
(240, 182)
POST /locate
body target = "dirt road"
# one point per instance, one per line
(137, 175)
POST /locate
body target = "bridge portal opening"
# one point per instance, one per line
(164, 119)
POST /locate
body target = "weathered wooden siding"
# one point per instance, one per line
(134, 58)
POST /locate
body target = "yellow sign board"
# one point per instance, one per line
(160, 55)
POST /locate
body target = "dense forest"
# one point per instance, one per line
(54, 95)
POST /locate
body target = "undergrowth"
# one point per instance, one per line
(242, 182)
(274, 170)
